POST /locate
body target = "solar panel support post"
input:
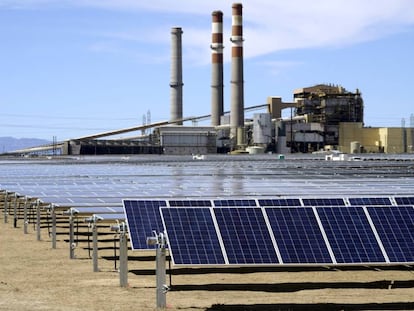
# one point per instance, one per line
(38, 220)
(95, 245)
(123, 256)
(3, 194)
(53, 214)
(115, 260)
(162, 288)
(5, 207)
(15, 211)
(71, 235)
(25, 223)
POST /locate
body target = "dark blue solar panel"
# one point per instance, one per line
(192, 236)
(189, 203)
(323, 202)
(298, 235)
(350, 235)
(245, 235)
(404, 200)
(395, 226)
(370, 201)
(279, 202)
(238, 202)
(143, 217)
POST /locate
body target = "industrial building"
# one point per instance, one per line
(354, 138)
(329, 105)
(316, 121)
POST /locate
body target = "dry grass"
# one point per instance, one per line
(33, 276)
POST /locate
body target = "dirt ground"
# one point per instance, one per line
(33, 276)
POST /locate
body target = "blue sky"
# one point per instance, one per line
(70, 68)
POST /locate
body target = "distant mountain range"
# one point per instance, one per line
(10, 143)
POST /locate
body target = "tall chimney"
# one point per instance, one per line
(176, 82)
(237, 93)
(217, 68)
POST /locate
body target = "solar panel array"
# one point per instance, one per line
(281, 231)
(105, 181)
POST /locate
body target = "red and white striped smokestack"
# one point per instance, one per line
(217, 68)
(237, 90)
(176, 82)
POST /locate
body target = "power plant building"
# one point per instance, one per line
(329, 105)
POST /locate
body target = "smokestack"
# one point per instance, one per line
(217, 68)
(237, 93)
(176, 82)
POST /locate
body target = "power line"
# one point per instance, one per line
(64, 117)
(3, 125)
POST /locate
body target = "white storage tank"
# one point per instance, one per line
(355, 147)
(255, 150)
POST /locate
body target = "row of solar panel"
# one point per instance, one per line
(143, 217)
(371, 201)
(288, 235)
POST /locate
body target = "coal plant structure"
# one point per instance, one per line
(329, 105)
(217, 85)
(176, 82)
(237, 83)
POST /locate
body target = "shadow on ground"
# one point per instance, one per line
(293, 287)
(313, 307)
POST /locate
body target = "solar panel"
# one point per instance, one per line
(298, 235)
(323, 202)
(192, 236)
(189, 203)
(350, 235)
(280, 202)
(143, 217)
(245, 235)
(404, 200)
(235, 202)
(395, 226)
(370, 201)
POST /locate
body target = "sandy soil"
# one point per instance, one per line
(33, 276)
